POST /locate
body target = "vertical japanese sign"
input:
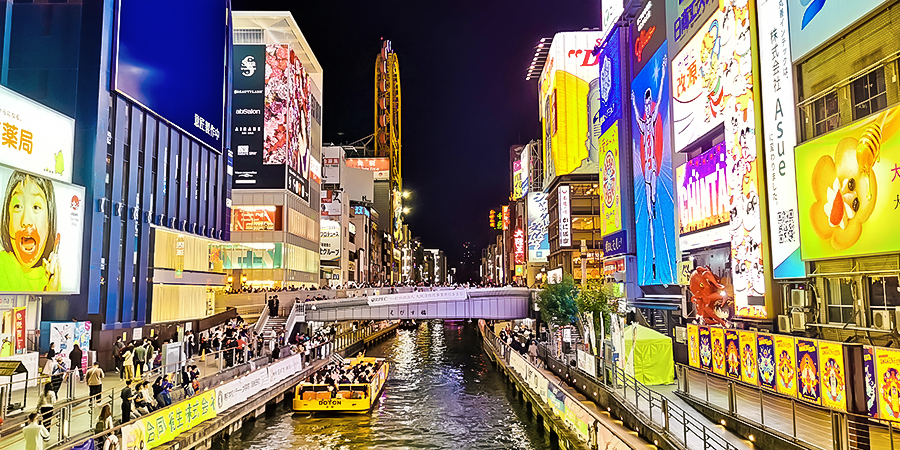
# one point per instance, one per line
(705, 341)
(19, 327)
(505, 210)
(887, 363)
(749, 364)
(179, 256)
(519, 245)
(538, 221)
(768, 368)
(871, 384)
(808, 371)
(611, 206)
(785, 350)
(693, 333)
(831, 367)
(565, 217)
(717, 337)
(732, 354)
(776, 82)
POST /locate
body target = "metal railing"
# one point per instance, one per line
(73, 419)
(651, 407)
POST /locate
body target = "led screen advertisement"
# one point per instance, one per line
(815, 21)
(707, 96)
(779, 123)
(170, 57)
(610, 179)
(271, 119)
(35, 138)
(652, 174)
(256, 218)
(568, 83)
(248, 122)
(848, 183)
(332, 204)
(538, 221)
(703, 195)
(41, 234)
(649, 33)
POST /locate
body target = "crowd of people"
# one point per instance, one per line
(335, 374)
(522, 339)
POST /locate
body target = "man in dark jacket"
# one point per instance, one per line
(75, 361)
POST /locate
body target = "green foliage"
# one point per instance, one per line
(600, 299)
(557, 302)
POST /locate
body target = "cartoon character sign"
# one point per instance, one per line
(767, 364)
(693, 333)
(717, 336)
(732, 355)
(870, 382)
(888, 365)
(748, 344)
(786, 377)
(707, 295)
(705, 348)
(808, 370)
(831, 366)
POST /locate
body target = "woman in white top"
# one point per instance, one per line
(45, 404)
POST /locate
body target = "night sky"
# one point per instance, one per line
(465, 98)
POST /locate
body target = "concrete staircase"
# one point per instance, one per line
(272, 325)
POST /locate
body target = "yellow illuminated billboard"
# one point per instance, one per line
(568, 83)
(848, 189)
(611, 206)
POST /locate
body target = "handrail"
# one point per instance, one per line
(263, 318)
(689, 425)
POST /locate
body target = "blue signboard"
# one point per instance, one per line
(813, 22)
(610, 84)
(615, 244)
(171, 59)
(654, 191)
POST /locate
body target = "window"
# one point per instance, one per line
(869, 94)
(825, 113)
(839, 297)
(884, 293)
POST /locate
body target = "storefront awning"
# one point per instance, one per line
(10, 368)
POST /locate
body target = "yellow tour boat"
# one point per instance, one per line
(356, 398)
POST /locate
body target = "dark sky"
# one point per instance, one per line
(465, 100)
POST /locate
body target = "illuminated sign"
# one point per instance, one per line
(331, 202)
(612, 266)
(505, 210)
(42, 232)
(703, 196)
(616, 243)
(685, 18)
(568, 83)
(315, 170)
(779, 123)
(35, 138)
(654, 199)
(649, 31)
(610, 98)
(381, 166)
(565, 217)
(256, 218)
(814, 22)
(331, 164)
(492, 219)
(519, 246)
(611, 206)
(361, 211)
(848, 186)
(538, 222)
(330, 240)
(520, 178)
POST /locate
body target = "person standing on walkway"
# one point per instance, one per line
(128, 362)
(75, 362)
(117, 353)
(52, 352)
(35, 433)
(189, 344)
(127, 397)
(140, 355)
(95, 381)
(45, 405)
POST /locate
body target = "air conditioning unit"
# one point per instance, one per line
(784, 324)
(798, 321)
(680, 335)
(881, 319)
(799, 298)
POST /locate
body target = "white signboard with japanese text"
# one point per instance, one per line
(35, 138)
(565, 217)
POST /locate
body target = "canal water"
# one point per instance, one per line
(443, 394)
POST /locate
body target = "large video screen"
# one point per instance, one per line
(171, 59)
(41, 234)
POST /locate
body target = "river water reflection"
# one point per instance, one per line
(443, 394)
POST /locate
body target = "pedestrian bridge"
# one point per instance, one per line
(446, 303)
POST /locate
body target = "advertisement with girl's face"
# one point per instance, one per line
(40, 234)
